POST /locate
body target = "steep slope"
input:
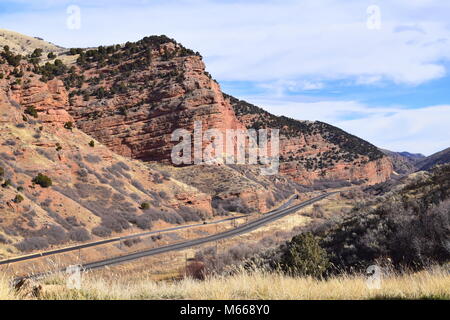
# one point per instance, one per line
(441, 157)
(93, 193)
(96, 192)
(133, 97)
(404, 162)
(312, 151)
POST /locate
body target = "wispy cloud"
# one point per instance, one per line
(268, 40)
(284, 49)
(396, 128)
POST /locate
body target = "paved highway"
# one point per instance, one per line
(131, 236)
(250, 226)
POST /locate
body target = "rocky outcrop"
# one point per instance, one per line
(133, 97)
(315, 151)
(163, 97)
(49, 99)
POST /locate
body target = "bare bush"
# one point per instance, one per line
(9, 142)
(33, 243)
(79, 234)
(115, 222)
(101, 231)
(54, 234)
(144, 222)
(131, 242)
(92, 158)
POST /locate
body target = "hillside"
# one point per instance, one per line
(26, 45)
(132, 97)
(408, 226)
(99, 127)
(312, 151)
(441, 157)
(95, 192)
(404, 162)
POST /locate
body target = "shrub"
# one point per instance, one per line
(101, 231)
(42, 180)
(92, 158)
(51, 55)
(196, 270)
(31, 110)
(33, 243)
(9, 142)
(18, 198)
(92, 143)
(68, 125)
(145, 206)
(7, 183)
(144, 222)
(303, 256)
(79, 234)
(3, 239)
(55, 234)
(73, 221)
(132, 242)
(115, 223)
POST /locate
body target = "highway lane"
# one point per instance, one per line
(131, 236)
(250, 226)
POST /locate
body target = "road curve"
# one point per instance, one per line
(118, 239)
(250, 226)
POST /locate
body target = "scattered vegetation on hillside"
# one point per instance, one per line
(351, 146)
(410, 227)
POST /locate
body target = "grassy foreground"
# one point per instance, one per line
(432, 284)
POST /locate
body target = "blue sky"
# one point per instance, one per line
(307, 59)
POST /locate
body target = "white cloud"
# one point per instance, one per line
(286, 46)
(270, 40)
(423, 130)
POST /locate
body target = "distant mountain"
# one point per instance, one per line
(441, 157)
(408, 155)
(404, 162)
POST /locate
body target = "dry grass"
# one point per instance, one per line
(431, 284)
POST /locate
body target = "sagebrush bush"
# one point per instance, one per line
(79, 234)
(32, 243)
(101, 231)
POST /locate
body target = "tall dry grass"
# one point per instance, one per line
(430, 284)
